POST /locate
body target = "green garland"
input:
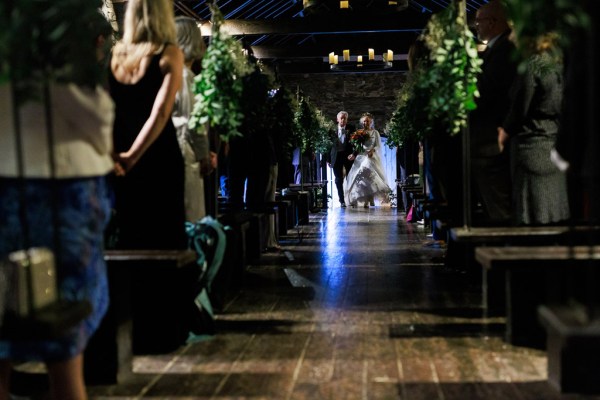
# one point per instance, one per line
(218, 88)
(408, 120)
(42, 41)
(312, 131)
(304, 124)
(282, 109)
(323, 138)
(451, 78)
(533, 18)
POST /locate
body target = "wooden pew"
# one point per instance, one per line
(536, 275)
(573, 345)
(312, 191)
(301, 202)
(463, 241)
(252, 226)
(285, 216)
(157, 284)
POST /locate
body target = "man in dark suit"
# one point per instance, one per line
(489, 165)
(340, 150)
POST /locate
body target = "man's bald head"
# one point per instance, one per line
(491, 20)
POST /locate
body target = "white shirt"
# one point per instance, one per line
(82, 119)
(341, 134)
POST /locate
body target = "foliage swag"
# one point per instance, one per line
(451, 78)
(533, 18)
(218, 88)
(441, 90)
(408, 121)
(312, 130)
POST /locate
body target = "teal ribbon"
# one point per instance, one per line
(199, 233)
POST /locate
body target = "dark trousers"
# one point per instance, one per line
(491, 184)
(341, 162)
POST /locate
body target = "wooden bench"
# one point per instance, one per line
(404, 188)
(312, 189)
(536, 275)
(285, 218)
(573, 346)
(302, 204)
(463, 241)
(252, 226)
(513, 234)
(148, 291)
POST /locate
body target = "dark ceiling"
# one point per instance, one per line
(297, 38)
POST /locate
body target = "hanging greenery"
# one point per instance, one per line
(533, 18)
(407, 122)
(218, 88)
(323, 138)
(545, 25)
(304, 124)
(312, 131)
(43, 41)
(282, 109)
(451, 78)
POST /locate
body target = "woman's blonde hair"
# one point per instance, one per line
(148, 25)
(370, 116)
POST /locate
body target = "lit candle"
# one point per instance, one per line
(390, 56)
(331, 57)
(346, 55)
(344, 4)
(359, 59)
(371, 54)
(336, 59)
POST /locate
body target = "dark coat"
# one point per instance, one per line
(498, 73)
(347, 146)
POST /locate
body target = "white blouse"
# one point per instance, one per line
(82, 122)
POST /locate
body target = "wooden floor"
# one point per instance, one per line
(357, 307)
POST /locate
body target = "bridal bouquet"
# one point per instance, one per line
(358, 138)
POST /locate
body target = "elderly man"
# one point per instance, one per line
(340, 151)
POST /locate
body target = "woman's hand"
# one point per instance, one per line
(123, 163)
(119, 170)
(209, 164)
(502, 138)
(351, 157)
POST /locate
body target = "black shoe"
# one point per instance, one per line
(343, 205)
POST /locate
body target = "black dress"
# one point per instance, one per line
(149, 200)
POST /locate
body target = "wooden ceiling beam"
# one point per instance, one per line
(408, 21)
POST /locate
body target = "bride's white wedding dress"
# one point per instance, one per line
(366, 179)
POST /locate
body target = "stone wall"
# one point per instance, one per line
(356, 93)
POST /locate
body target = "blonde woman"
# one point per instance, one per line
(146, 73)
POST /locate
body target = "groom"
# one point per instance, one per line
(340, 150)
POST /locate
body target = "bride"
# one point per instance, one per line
(366, 179)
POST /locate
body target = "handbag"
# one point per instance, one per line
(30, 304)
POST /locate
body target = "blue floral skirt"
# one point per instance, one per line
(83, 207)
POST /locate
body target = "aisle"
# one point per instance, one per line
(356, 308)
